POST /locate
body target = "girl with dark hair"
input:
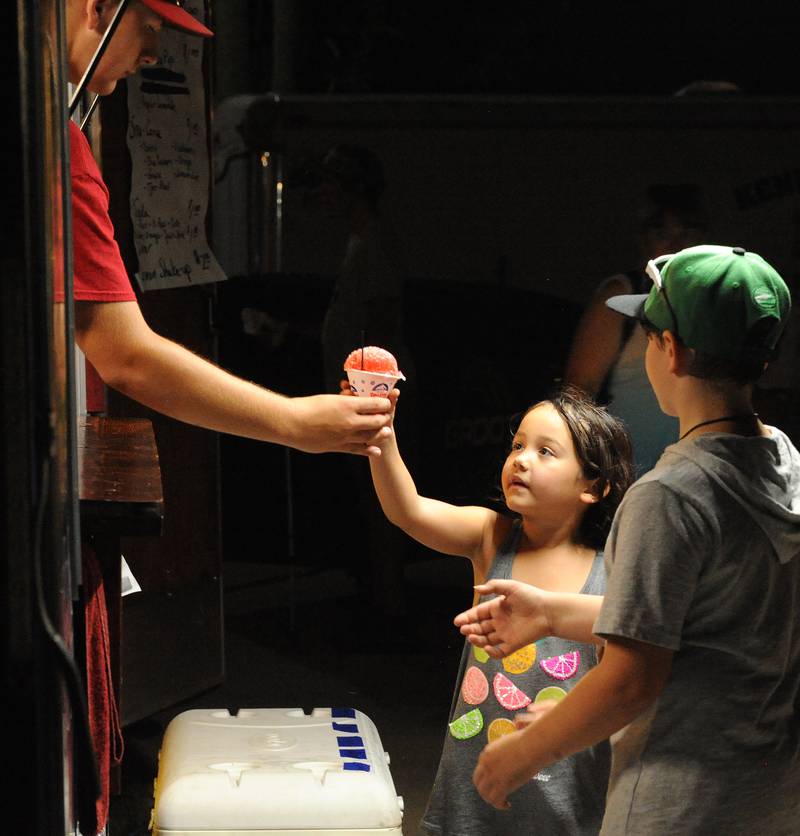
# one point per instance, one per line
(567, 469)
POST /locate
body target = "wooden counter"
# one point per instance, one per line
(120, 479)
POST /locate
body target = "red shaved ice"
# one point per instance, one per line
(373, 359)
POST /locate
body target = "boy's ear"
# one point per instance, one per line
(679, 356)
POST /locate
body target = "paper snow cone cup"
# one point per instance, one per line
(371, 384)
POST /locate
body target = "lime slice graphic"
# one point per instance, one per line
(467, 725)
(507, 693)
(474, 688)
(497, 728)
(563, 666)
(480, 654)
(553, 692)
(520, 661)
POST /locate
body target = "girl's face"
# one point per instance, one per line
(542, 476)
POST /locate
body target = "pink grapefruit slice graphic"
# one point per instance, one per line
(507, 693)
(475, 687)
(564, 666)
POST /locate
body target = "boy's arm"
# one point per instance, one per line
(628, 679)
(451, 529)
(167, 377)
(522, 614)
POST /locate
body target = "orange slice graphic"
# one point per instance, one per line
(499, 727)
(521, 660)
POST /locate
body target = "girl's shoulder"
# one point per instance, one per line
(501, 528)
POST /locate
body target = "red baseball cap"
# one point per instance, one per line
(175, 16)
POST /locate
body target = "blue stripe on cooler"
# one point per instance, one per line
(360, 754)
(354, 766)
(349, 741)
(343, 712)
(348, 728)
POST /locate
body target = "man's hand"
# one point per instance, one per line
(516, 617)
(332, 424)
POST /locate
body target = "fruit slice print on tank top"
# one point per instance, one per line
(552, 692)
(467, 725)
(507, 693)
(480, 654)
(520, 660)
(563, 666)
(475, 687)
(499, 727)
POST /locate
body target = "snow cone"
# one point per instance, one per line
(372, 371)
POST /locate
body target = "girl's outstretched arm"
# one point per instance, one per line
(522, 613)
(451, 529)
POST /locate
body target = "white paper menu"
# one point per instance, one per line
(170, 166)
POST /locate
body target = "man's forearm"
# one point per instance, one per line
(171, 379)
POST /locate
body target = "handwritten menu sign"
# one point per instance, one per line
(170, 169)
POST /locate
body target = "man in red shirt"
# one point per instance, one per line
(109, 326)
(130, 357)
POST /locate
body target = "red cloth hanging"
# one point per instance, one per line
(104, 723)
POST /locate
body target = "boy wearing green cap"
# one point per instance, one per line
(700, 677)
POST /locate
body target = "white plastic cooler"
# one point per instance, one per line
(274, 772)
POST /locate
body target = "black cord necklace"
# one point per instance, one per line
(737, 417)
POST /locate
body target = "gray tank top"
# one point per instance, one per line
(565, 799)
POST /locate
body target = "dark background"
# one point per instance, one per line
(374, 47)
(559, 48)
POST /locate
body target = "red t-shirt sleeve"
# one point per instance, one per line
(99, 274)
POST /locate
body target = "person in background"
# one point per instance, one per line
(366, 308)
(367, 301)
(607, 354)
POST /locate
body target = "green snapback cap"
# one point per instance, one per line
(723, 301)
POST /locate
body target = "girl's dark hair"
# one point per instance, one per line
(603, 447)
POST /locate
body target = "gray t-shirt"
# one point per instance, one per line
(702, 559)
(567, 798)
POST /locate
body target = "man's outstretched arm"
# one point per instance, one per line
(167, 377)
